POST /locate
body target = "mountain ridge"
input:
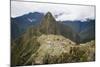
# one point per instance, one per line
(75, 27)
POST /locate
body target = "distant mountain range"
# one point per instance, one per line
(84, 29)
(21, 23)
(78, 31)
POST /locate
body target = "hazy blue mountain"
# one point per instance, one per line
(21, 23)
(79, 25)
(85, 29)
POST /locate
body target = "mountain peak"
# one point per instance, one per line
(49, 24)
(48, 14)
(48, 18)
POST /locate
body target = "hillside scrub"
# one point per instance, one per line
(51, 49)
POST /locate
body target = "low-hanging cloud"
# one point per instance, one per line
(60, 12)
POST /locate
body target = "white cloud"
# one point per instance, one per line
(64, 12)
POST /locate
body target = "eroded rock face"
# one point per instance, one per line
(58, 49)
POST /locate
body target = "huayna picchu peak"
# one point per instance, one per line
(49, 25)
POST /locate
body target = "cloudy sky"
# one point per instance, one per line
(64, 12)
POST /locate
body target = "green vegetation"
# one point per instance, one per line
(22, 50)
